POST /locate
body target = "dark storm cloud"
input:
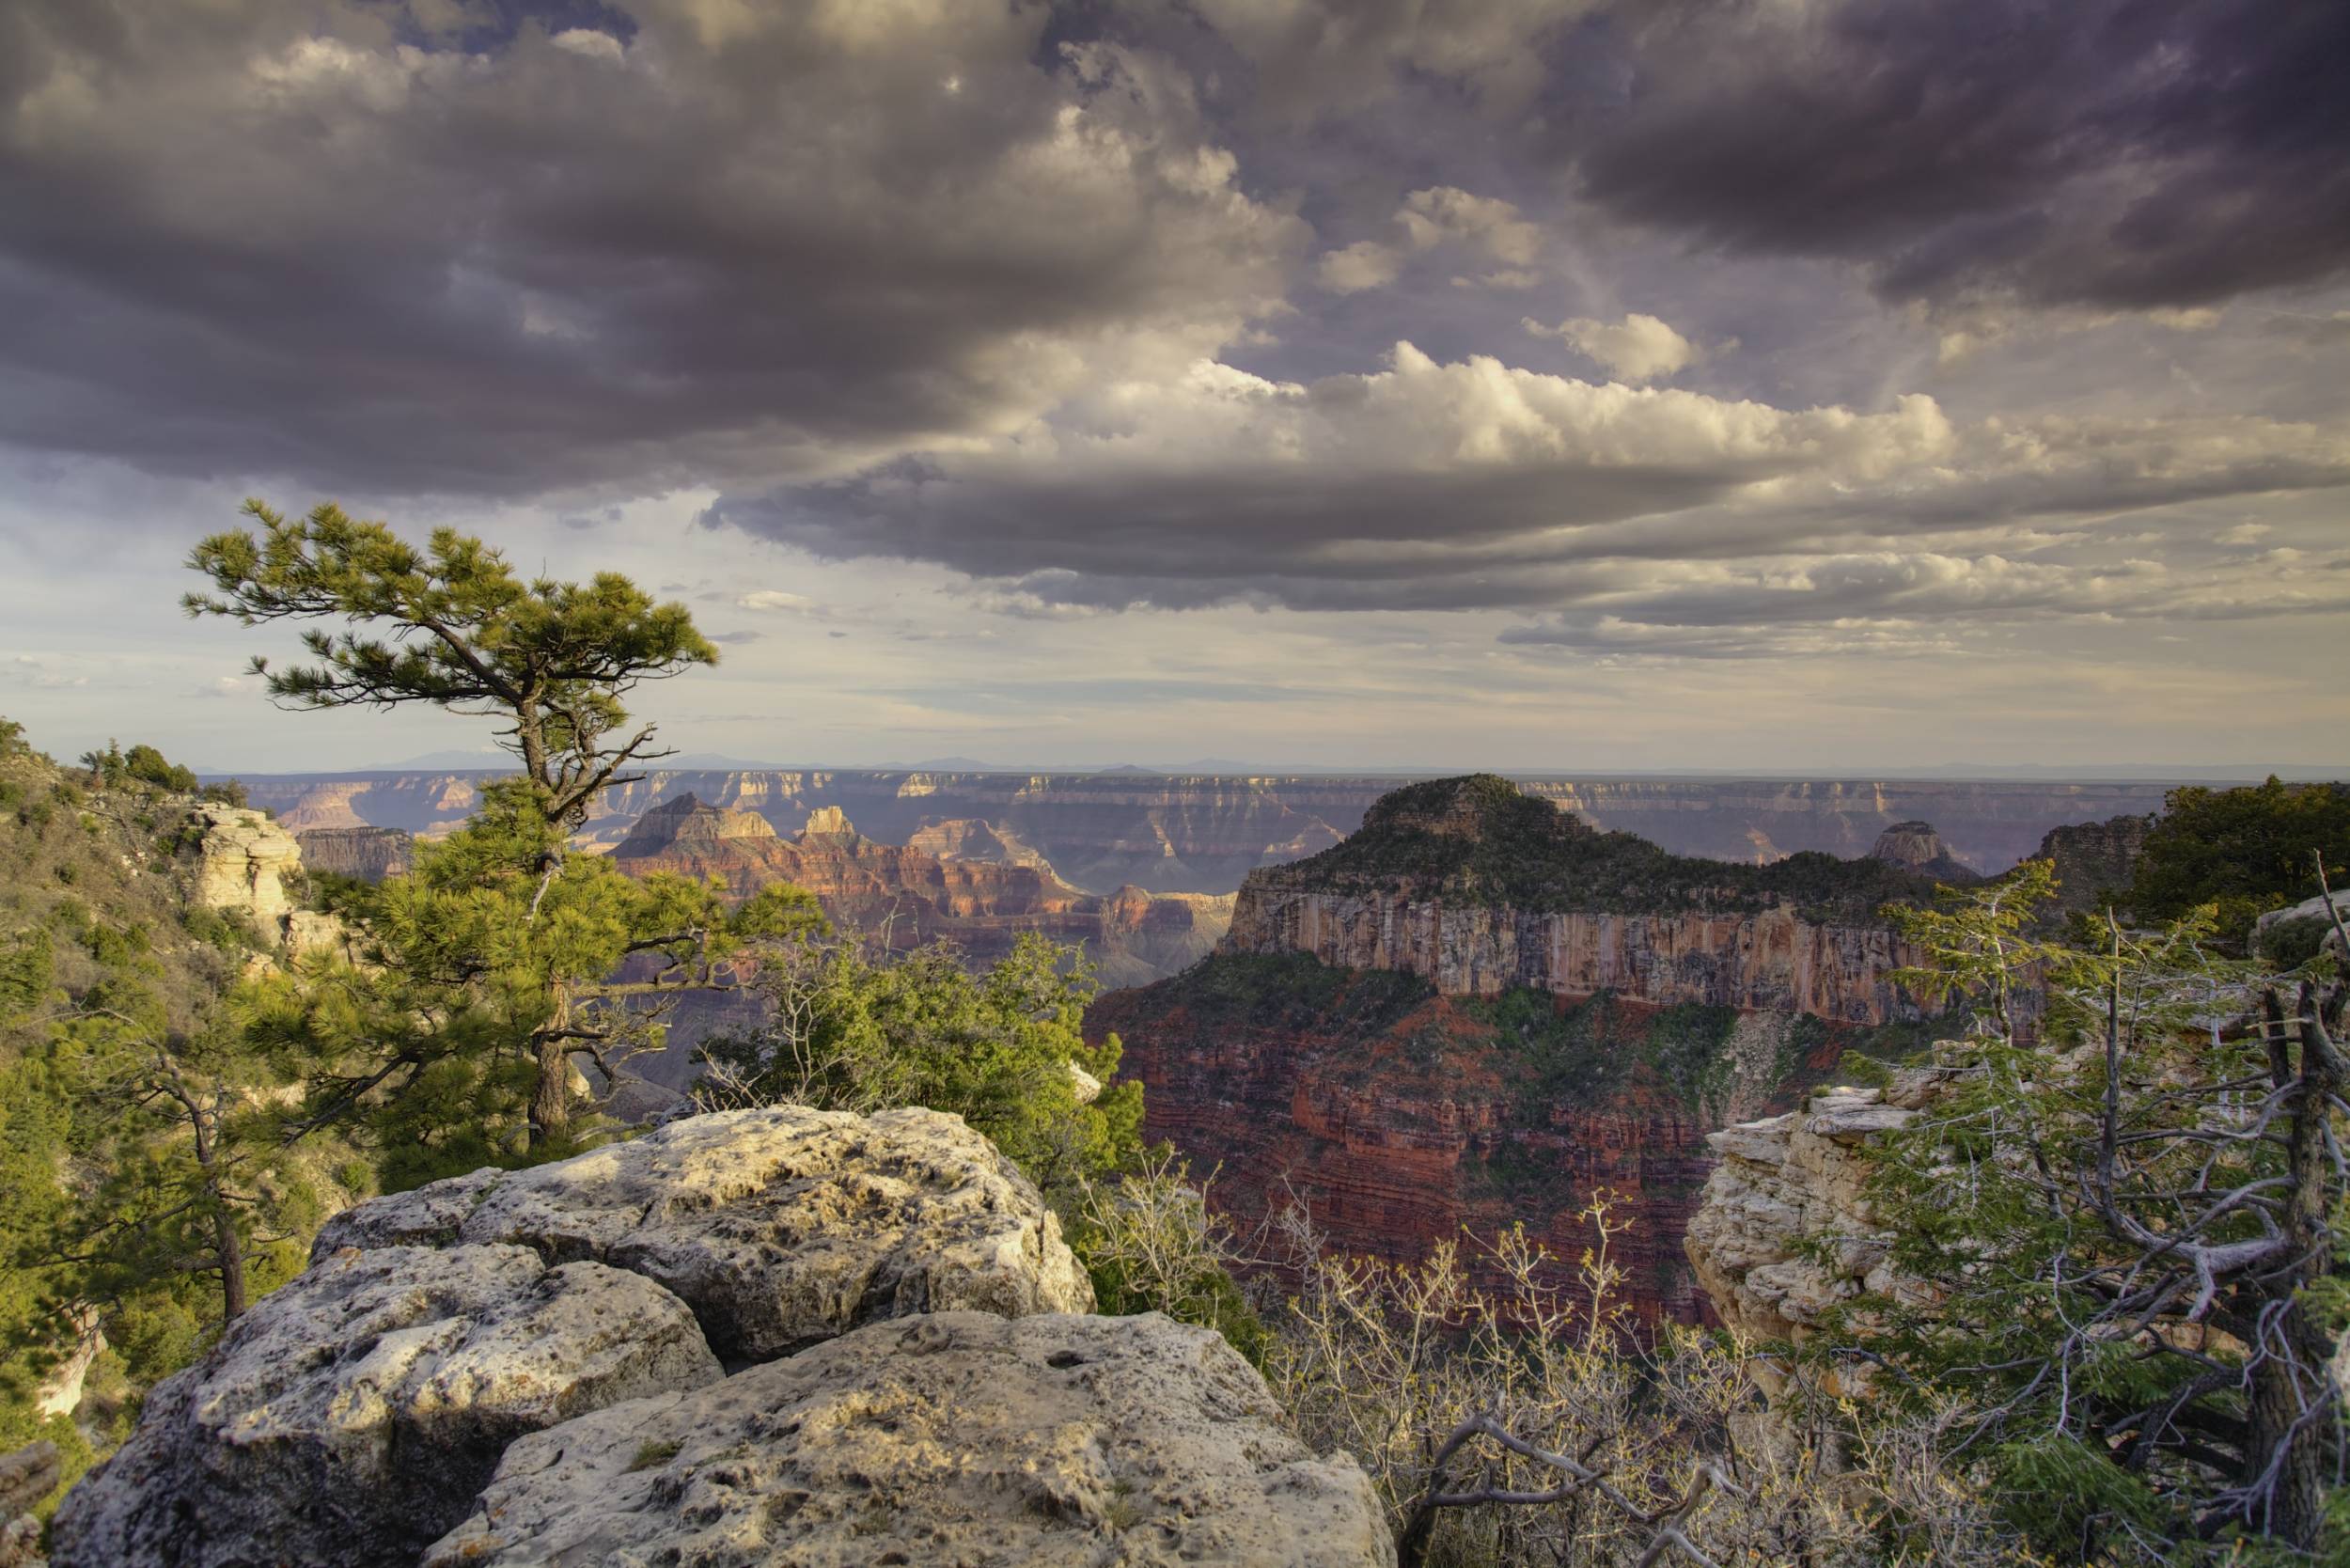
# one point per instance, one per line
(2119, 153)
(440, 247)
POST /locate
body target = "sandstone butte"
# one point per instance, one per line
(1477, 1010)
(779, 1335)
(963, 881)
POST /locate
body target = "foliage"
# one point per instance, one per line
(2245, 851)
(847, 1031)
(1480, 840)
(1544, 1433)
(1152, 1243)
(484, 969)
(139, 1184)
(114, 767)
(451, 626)
(2128, 1198)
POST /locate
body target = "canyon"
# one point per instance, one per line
(1478, 1011)
(958, 882)
(1203, 834)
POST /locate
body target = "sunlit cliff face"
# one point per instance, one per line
(1819, 387)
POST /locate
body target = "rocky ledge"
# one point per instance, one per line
(773, 1335)
(1786, 1186)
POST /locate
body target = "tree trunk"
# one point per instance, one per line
(231, 1250)
(551, 1094)
(2292, 1386)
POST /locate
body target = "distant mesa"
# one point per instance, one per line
(685, 824)
(828, 821)
(1917, 847)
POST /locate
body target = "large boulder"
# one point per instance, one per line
(959, 1437)
(781, 1227)
(351, 1416)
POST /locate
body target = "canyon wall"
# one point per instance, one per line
(1203, 834)
(1773, 959)
(1478, 1011)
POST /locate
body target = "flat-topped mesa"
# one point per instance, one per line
(1479, 888)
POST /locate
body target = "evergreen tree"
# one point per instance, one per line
(450, 626)
(2128, 1204)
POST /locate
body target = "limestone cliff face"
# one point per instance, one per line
(1478, 1011)
(242, 861)
(368, 854)
(1784, 1186)
(1773, 959)
(1480, 889)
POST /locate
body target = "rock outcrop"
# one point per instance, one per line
(352, 1415)
(243, 860)
(1786, 1186)
(953, 1437)
(858, 1273)
(779, 1228)
(1917, 847)
(2093, 861)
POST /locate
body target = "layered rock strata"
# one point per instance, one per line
(1477, 1013)
(860, 1273)
(1204, 833)
(366, 854)
(1480, 889)
(908, 895)
(1787, 1185)
(1773, 959)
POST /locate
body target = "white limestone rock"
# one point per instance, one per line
(242, 860)
(1786, 1183)
(962, 1438)
(351, 1416)
(781, 1227)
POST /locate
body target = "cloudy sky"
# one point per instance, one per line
(1789, 384)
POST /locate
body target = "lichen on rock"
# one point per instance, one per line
(951, 1437)
(780, 1226)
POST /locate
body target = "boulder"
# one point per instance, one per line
(350, 1416)
(957, 1437)
(780, 1226)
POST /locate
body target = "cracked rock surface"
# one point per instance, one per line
(780, 1227)
(957, 1437)
(351, 1416)
(920, 1386)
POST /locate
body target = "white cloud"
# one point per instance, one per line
(1442, 216)
(1364, 264)
(773, 599)
(1639, 348)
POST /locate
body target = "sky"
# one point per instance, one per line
(1787, 385)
